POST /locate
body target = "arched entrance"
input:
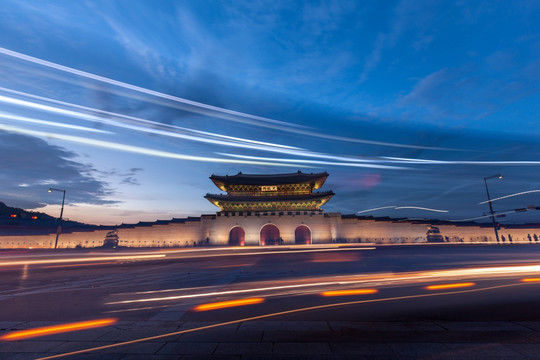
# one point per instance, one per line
(237, 236)
(302, 235)
(270, 235)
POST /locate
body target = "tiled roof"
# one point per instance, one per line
(269, 179)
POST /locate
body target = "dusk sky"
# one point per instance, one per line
(130, 106)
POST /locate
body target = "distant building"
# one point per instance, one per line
(280, 192)
(275, 209)
(270, 209)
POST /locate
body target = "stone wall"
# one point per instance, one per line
(321, 226)
(66, 240)
(214, 230)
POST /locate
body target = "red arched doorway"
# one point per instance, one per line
(237, 236)
(270, 235)
(302, 235)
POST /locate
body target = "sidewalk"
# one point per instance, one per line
(288, 340)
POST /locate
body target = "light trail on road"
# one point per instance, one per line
(228, 304)
(57, 329)
(349, 280)
(449, 286)
(280, 313)
(82, 259)
(349, 292)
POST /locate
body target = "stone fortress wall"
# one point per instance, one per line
(214, 230)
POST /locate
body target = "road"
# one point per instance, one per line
(187, 289)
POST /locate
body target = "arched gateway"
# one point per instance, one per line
(283, 198)
(270, 235)
(237, 236)
(302, 235)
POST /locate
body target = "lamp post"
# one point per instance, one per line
(59, 230)
(498, 176)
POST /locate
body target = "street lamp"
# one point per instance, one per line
(59, 230)
(498, 176)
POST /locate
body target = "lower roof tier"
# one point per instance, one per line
(270, 203)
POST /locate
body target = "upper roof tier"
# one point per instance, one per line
(299, 177)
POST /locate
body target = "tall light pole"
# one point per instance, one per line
(59, 230)
(498, 176)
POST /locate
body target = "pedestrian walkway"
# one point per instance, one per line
(288, 340)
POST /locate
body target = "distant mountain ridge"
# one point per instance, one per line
(12, 216)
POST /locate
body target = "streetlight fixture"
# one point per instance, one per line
(498, 176)
(59, 230)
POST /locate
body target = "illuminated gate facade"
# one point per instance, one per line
(253, 201)
(270, 235)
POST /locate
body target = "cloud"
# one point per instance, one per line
(474, 89)
(125, 177)
(31, 165)
(411, 18)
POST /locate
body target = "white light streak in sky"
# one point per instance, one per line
(215, 111)
(136, 88)
(144, 121)
(376, 209)
(507, 196)
(145, 129)
(137, 149)
(316, 162)
(420, 208)
(400, 208)
(147, 126)
(457, 162)
(238, 142)
(51, 123)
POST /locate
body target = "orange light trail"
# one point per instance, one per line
(226, 304)
(531, 280)
(449, 286)
(265, 316)
(349, 292)
(57, 329)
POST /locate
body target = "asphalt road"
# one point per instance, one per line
(285, 284)
(134, 284)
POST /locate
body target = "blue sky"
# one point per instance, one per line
(131, 105)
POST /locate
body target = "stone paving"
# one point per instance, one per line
(287, 340)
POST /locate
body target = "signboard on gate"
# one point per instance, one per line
(269, 188)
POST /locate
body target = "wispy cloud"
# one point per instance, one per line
(417, 16)
(37, 164)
